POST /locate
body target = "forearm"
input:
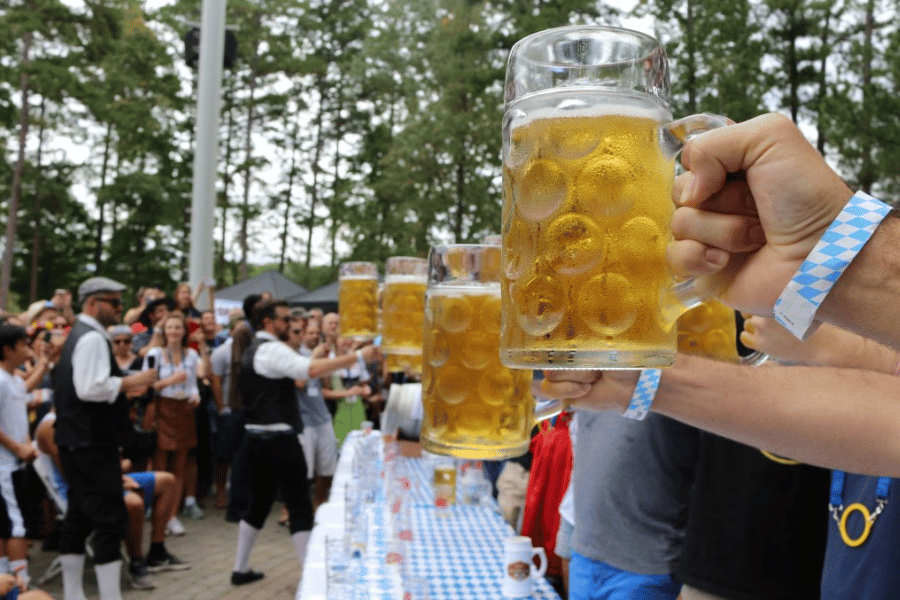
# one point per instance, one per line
(864, 298)
(834, 418)
(844, 349)
(36, 375)
(215, 383)
(325, 366)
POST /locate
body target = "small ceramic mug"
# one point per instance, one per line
(519, 571)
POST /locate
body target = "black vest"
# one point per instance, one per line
(267, 401)
(80, 423)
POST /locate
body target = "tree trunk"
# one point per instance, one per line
(101, 220)
(248, 152)
(821, 137)
(290, 191)
(11, 223)
(867, 169)
(316, 169)
(36, 222)
(226, 178)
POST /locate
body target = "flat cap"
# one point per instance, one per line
(96, 285)
(298, 312)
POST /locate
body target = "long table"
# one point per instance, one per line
(459, 552)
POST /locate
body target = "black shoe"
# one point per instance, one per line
(168, 562)
(139, 577)
(248, 577)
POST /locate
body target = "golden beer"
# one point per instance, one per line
(411, 364)
(357, 300)
(474, 406)
(403, 308)
(586, 212)
(709, 330)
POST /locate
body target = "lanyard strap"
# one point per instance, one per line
(882, 489)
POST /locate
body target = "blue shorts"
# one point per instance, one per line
(147, 481)
(596, 580)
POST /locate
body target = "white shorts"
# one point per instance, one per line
(319, 449)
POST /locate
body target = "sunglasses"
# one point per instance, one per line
(114, 302)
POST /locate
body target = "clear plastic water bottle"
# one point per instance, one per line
(474, 486)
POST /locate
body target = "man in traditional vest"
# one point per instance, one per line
(90, 404)
(268, 372)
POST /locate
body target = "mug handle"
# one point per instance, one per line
(542, 568)
(672, 139)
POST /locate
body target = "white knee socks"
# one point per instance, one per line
(301, 540)
(246, 538)
(108, 580)
(72, 570)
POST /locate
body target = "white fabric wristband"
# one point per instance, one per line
(797, 305)
(644, 392)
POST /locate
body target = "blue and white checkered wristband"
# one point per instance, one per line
(796, 307)
(644, 392)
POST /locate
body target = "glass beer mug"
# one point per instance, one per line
(474, 407)
(358, 300)
(588, 165)
(403, 306)
(710, 330)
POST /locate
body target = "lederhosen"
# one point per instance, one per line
(273, 450)
(87, 434)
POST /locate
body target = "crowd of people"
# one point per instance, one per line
(157, 405)
(721, 492)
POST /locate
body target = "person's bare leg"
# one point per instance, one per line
(179, 470)
(190, 476)
(165, 502)
(134, 536)
(323, 488)
(222, 485)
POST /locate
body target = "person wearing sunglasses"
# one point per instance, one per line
(89, 394)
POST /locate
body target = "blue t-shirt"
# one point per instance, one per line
(871, 570)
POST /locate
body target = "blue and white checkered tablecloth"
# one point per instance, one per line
(460, 553)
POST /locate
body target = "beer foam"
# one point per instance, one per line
(598, 109)
(388, 279)
(455, 290)
(357, 277)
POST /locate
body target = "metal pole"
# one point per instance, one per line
(206, 151)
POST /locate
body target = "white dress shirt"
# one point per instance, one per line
(91, 366)
(277, 360)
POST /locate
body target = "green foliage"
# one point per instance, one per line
(353, 130)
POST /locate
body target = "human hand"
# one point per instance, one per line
(26, 452)
(593, 390)
(371, 353)
(767, 335)
(129, 484)
(194, 401)
(177, 377)
(756, 197)
(320, 351)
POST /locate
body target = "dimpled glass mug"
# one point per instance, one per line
(588, 164)
(710, 330)
(474, 407)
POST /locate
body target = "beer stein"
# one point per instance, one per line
(710, 330)
(588, 165)
(403, 305)
(358, 300)
(474, 407)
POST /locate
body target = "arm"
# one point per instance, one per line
(91, 368)
(215, 383)
(835, 418)
(21, 450)
(44, 437)
(36, 374)
(829, 346)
